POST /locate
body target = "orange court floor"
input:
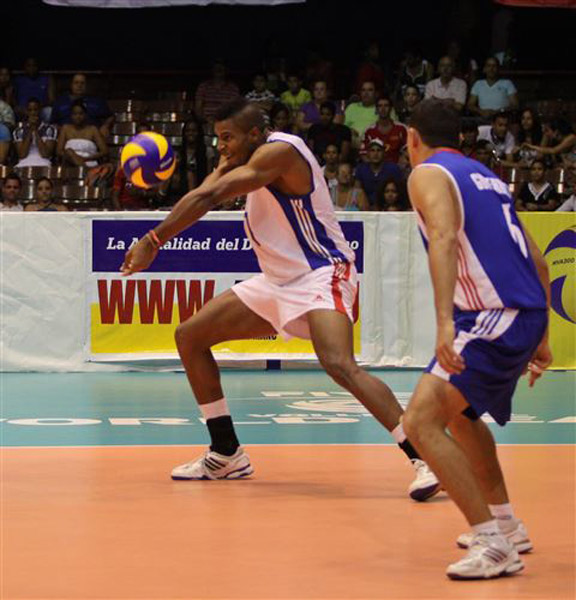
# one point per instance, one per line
(88, 509)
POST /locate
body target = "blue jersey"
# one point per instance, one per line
(495, 269)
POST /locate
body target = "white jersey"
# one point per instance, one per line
(293, 235)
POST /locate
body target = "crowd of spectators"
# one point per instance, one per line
(359, 140)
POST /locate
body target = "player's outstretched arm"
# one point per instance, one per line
(432, 195)
(267, 164)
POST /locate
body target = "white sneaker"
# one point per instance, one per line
(212, 465)
(518, 537)
(489, 556)
(426, 483)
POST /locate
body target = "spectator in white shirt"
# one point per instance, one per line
(447, 87)
(500, 137)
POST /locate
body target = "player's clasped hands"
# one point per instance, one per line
(139, 257)
(446, 356)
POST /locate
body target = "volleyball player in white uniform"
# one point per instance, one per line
(307, 287)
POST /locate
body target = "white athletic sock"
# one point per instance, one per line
(213, 410)
(504, 515)
(398, 433)
(487, 528)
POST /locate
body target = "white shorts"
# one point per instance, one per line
(285, 306)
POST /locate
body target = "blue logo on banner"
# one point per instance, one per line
(206, 247)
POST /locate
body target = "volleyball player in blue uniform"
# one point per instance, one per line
(491, 293)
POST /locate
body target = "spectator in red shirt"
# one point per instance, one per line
(214, 92)
(393, 135)
(370, 69)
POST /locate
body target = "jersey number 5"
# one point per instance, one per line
(515, 231)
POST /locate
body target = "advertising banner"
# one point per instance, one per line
(555, 235)
(136, 317)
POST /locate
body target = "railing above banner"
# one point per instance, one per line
(164, 3)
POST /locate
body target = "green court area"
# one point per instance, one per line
(269, 407)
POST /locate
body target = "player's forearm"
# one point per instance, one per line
(443, 259)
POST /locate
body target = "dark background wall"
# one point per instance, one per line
(187, 37)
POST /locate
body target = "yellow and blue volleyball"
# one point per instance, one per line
(147, 159)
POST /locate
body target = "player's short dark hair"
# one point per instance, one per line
(468, 126)
(246, 114)
(484, 145)
(437, 122)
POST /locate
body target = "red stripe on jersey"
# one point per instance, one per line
(477, 303)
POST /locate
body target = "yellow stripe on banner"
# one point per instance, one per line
(138, 338)
(555, 235)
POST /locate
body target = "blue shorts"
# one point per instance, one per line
(496, 346)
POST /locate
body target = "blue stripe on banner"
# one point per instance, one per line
(321, 232)
(314, 260)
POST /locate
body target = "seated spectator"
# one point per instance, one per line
(393, 135)
(79, 143)
(371, 70)
(7, 121)
(280, 118)
(32, 84)
(274, 68)
(404, 163)
(372, 174)
(446, 86)
(465, 67)
(530, 132)
(11, 187)
(392, 197)
(558, 140)
(295, 96)
(485, 153)
(492, 95)
(97, 109)
(310, 111)
(346, 195)
(214, 92)
(6, 87)
(261, 95)
(414, 70)
(537, 194)
(326, 133)
(359, 116)
(410, 99)
(196, 160)
(35, 141)
(44, 201)
(330, 167)
(468, 137)
(499, 135)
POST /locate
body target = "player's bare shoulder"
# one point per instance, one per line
(293, 170)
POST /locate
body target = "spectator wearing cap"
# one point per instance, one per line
(492, 94)
(98, 112)
(35, 141)
(372, 174)
(392, 135)
(214, 92)
(446, 86)
(326, 133)
(11, 187)
(499, 136)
